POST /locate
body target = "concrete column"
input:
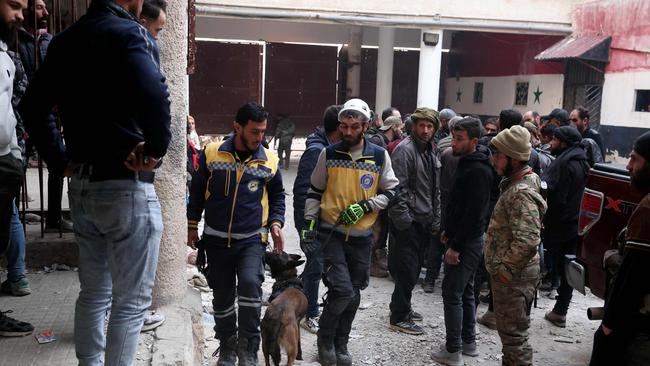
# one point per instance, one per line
(429, 71)
(170, 285)
(354, 63)
(384, 94)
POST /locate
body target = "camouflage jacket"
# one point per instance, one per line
(514, 231)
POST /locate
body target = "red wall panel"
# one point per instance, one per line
(496, 54)
(227, 76)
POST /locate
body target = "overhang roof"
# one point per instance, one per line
(587, 48)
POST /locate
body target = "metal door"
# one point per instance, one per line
(301, 82)
(226, 76)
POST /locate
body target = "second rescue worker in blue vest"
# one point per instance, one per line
(239, 186)
(353, 180)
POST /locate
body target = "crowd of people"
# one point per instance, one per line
(495, 201)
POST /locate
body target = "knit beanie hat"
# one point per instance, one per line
(530, 126)
(447, 114)
(427, 114)
(568, 135)
(514, 142)
(642, 146)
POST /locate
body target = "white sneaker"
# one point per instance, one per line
(311, 325)
(152, 321)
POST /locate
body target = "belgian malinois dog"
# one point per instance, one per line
(287, 307)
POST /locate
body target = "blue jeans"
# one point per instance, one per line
(16, 249)
(118, 227)
(312, 273)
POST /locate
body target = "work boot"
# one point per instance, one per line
(556, 319)
(382, 258)
(326, 352)
(429, 283)
(488, 319)
(343, 357)
(448, 358)
(378, 264)
(247, 351)
(227, 351)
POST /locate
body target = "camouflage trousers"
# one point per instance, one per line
(512, 304)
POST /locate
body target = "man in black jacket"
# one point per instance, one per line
(580, 119)
(466, 219)
(565, 178)
(103, 75)
(624, 335)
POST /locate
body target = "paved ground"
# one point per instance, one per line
(50, 307)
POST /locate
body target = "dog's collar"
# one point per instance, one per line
(280, 286)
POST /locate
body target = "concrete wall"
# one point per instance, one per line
(170, 285)
(619, 98)
(284, 31)
(628, 23)
(551, 11)
(499, 93)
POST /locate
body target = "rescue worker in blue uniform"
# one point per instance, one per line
(239, 187)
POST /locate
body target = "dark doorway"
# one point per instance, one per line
(405, 78)
(583, 86)
(227, 75)
(301, 82)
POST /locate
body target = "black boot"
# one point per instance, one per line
(343, 357)
(429, 283)
(247, 351)
(326, 353)
(227, 351)
(327, 328)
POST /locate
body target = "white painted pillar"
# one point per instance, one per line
(170, 285)
(384, 93)
(354, 63)
(429, 74)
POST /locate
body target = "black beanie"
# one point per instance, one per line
(568, 135)
(642, 146)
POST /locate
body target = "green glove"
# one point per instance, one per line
(355, 212)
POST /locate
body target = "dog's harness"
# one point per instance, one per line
(280, 286)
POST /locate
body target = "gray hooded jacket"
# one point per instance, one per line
(417, 167)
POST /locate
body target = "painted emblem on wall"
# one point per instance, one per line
(521, 94)
(537, 94)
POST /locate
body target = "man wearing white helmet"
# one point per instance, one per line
(352, 181)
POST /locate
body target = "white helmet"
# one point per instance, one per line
(357, 105)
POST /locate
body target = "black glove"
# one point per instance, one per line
(309, 238)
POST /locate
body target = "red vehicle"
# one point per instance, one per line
(607, 203)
